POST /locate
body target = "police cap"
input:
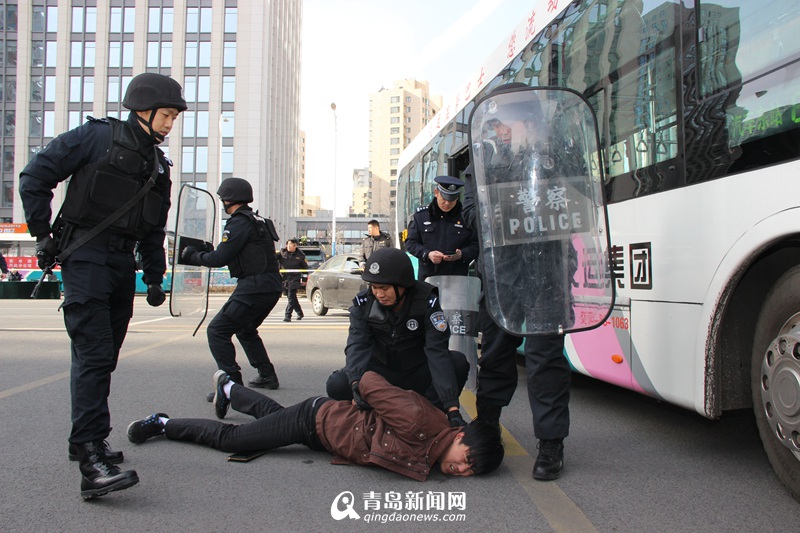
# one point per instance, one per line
(150, 91)
(389, 266)
(235, 190)
(448, 186)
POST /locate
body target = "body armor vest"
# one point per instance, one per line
(398, 346)
(258, 255)
(100, 188)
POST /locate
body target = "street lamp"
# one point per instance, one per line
(222, 119)
(335, 152)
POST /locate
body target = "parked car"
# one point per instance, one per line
(335, 284)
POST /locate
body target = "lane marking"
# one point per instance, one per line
(61, 375)
(563, 515)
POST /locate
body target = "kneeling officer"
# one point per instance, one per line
(398, 329)
(248, 249)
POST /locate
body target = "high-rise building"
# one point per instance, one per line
(361, 192)
(397, 115)
(237, 60)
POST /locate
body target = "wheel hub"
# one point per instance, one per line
(780, 388)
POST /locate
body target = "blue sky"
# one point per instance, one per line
(353, 47)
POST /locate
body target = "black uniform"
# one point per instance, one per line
(434, 229)
(248, 249)
(99, 277)
(292, 280)
(548, 372)
(408, 348)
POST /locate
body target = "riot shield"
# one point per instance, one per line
(542, 217)
(459, 297)
(194, 226)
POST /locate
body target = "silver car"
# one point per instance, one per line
(334, 284)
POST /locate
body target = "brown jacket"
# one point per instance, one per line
(403, 432)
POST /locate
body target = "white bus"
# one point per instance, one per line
(698, 105)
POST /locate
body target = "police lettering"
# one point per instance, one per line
(543, 224)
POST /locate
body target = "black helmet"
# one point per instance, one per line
(389, 266)
(235, 191)
(150, 91)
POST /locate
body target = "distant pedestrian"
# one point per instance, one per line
(375, 240)
(292, 258)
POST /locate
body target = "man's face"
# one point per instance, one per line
(444, 205)
(373, 230)
(163, 120)
(454, 461)
(385, 294)
(291, 247)
(503, 132)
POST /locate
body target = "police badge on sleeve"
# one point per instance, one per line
(439, 320)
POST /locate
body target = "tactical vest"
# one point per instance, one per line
(401, 346)
(258, 255)
(97, 190)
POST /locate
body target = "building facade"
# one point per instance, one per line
(238, 62)
(397, 115)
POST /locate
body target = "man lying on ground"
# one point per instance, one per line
(402, 432)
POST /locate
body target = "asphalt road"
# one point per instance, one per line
(632, 464)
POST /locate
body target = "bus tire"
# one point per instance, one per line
(775, 378)
(317, 303)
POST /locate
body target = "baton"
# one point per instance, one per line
(46, 272)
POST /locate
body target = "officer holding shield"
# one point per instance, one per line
(117, 200)
(248, 249)
(533, 279)
(438, 236)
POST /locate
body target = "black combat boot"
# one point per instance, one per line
(550, 461)
(488, 413)
(99, 475)
(114, 457)
(265, 381)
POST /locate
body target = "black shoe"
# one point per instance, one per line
(550, 461)
(146, 428)
(488, 413)
(221, 402)
(114, 457)
(98, 475)
(300, 317)
(265, 382)
(287, 319)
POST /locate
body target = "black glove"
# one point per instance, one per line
(455, 419)
(208, 247)
(360, 402)
(46, 251)
(155, 295)
(187, 256)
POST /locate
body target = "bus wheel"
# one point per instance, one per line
(317, 304)
(775, 378)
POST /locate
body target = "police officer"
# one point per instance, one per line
(292, 258)
(438, 235)
(548, 371)
(398, 330)
(248, 249)
(111, 162)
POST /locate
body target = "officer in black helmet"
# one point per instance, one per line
(248, 248)
(398, 329)
(117, 200)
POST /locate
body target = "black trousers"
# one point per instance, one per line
(275, 426)
(98, 305)
(418, 380)
(241, 315)
(548, 372)
(293, 304)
